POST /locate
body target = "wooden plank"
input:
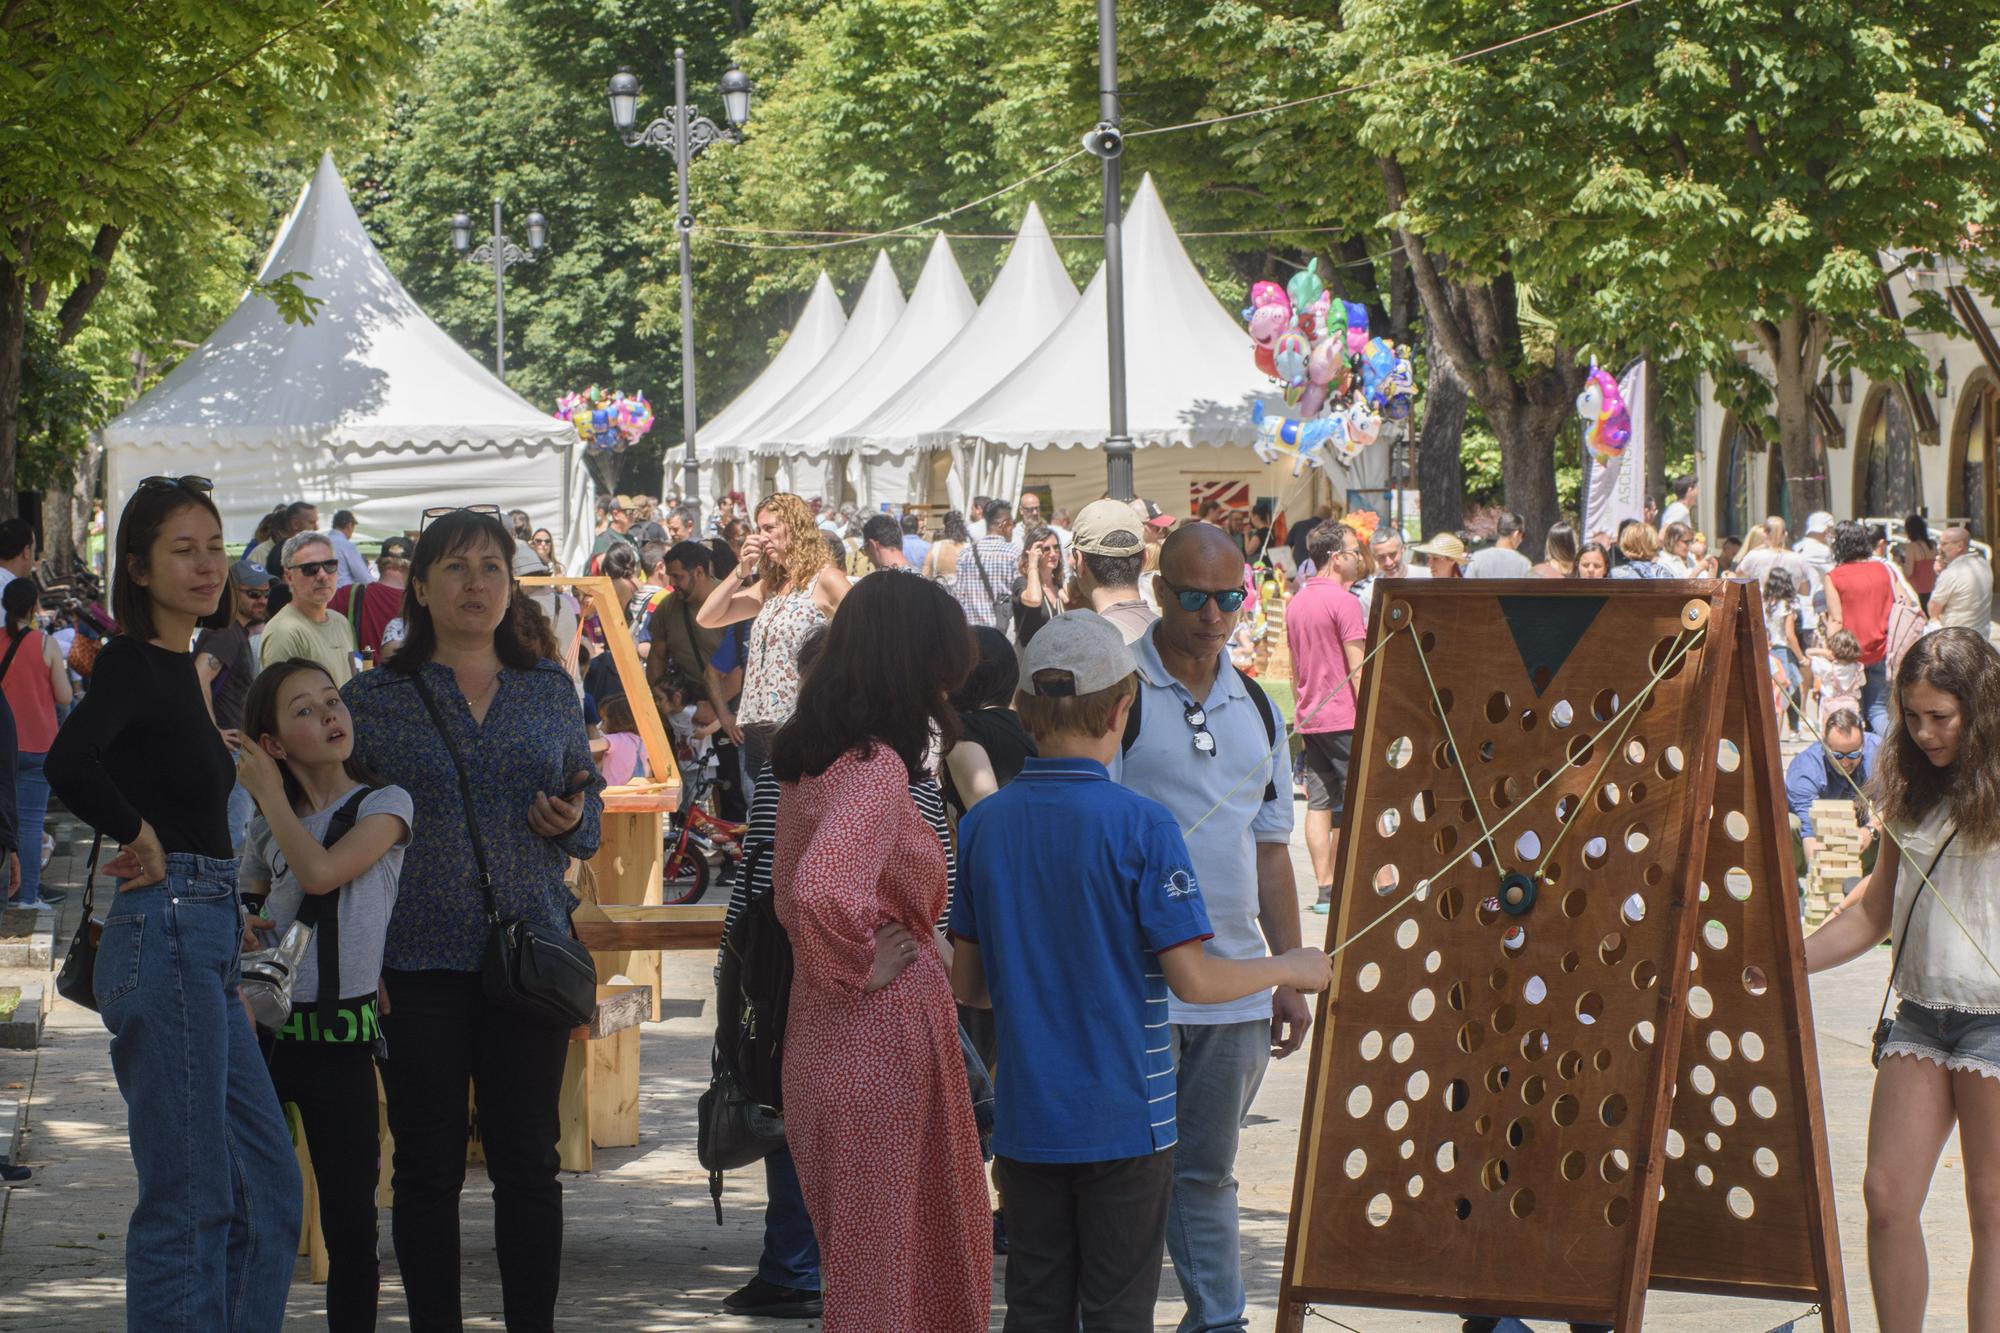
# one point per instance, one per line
(628, 935)
(573, 1111)
(598, 595)
(612, 1087)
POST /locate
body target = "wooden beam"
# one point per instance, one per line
(670, 926)
(1828, 422)
(1974, 323)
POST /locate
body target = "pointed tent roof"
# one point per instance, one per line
(1189, 375)
(940, 304)
(370, 371)
(1027, 300)
(875, 312)
(811, 339)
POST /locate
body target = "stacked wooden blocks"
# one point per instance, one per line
(1832, 872)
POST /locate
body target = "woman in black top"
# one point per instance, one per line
(992, 743)
(216, 1227)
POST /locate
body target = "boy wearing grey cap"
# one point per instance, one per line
(1076, 912)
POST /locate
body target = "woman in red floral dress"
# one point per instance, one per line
(876, 1108)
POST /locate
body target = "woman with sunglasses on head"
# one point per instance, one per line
(467, 714)
(215, 1229)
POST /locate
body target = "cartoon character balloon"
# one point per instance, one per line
(1305, 286)
(1337, 381)
(1291, 354)
(1378, 365)
(1607, 421)
(1301, 441)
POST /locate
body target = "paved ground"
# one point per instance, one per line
(643, 1251)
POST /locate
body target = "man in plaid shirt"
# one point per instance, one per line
(996, 558)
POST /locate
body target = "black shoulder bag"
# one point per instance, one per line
(1883, 1022)
(77, 982)
(530, 968)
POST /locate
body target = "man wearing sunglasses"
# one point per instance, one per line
(1822, 772)
(1210, 747)
(304, 627)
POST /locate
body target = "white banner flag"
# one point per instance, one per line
(1616, 491)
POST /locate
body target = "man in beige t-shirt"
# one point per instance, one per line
(1963, 594)
(304, 627)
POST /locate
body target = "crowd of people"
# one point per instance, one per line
(997, 771)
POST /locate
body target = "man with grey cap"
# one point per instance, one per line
(1108, 553)
(1210, 746)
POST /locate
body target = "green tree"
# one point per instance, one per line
(116, 120)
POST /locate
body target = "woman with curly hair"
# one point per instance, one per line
(941, 561)
(1937, 788)
(787, 584)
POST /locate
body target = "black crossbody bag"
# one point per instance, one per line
(1883, 1022)
(536, 970)
(77, 982)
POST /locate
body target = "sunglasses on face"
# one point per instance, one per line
(313, 569)
(491, 511)
(1845, 754)
(1227, 600)
(195, 485)
(257, 594)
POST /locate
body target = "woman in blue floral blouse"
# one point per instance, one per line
(515, 723)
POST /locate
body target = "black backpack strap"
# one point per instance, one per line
(321, 911)
(1131, 737)
(1267, 711)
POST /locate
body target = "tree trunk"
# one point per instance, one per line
(1527, 428)
(58, 537)
(13, 349)
(1656, 444)
(1440, 468)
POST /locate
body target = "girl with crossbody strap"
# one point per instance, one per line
(1936, 889)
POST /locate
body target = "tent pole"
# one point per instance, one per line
(684, 225)
(1108, 143)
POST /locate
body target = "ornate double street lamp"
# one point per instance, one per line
(685, 135)
(500, 254)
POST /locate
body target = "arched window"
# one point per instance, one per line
(1886, 471)
(1777, 482)
(1734, 511)
(1971, 489)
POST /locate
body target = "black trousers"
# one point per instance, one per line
(333, 1085)
(1084, 1242)
(443, 1035)
(731, 801)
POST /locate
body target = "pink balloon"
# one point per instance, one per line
(1312, 400)
(1267, 322)
(1270, 293)
(1328, 359)
(1357, 338)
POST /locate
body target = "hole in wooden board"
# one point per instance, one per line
(1456, 1094)
(1356, 1165)
(1724, 1111)
(1608, 796)
(1423, 805)
(1471, 1036)
(1616, 1212)
(1612, 1110)
(1445, 758)
(1534, 990)
(1399, 752)
(1522, 1203)
(1635, 751)
(1614, 1166)
(1514, 939)
(1601, 1061)
(1653, 874)
(1427, 641)
(1634, 910)
(1736, 880)
(1671, 762)
(1414, 1186)
(1406, 934)
(1503, 1019)
(1442, 704)
(1446, 840)
(1423, 1003)
(1454, 998)
(1497, 707)
(1611, 949)
(1433, 961)
(1534, 1044)
(1419, 1085)
(1402, 1048)
(1755, 981)
(1359, 1099)
(1644, 974)
(1387, 880)
(1533, 1089)
(1565, 807)
(1741, 1205)
(1528, 846)
(1369, 977)
(1575, 903)
(1712, 1141)
(1703, 1079)
(1700, 1003)
(1595, 853)
(1462, 1209)
(1572, 1166)
(1763, 1102)
(1667, 659)
(1727, 756)
(1493, 1175)
(1565, 1110)
(1605, 705)
(1449, 904)
(1766, 1162)
(1705, 1174)
(1580, 751)
(1518, 1132)
(1676, 1145)
(1446, 1156)
(1569, 1064)
(1396, 1116)
(1371, 1045)
(1379, 1209)
(1736, 825)
(1637, 793)
(1486, 752)
(1714, 934)
(1388, 822)
(1718, 1045)
(1561, 714)
(1528, 719)
(1751, 1045)
(1498, 979)
(1642, 1034)
(1589, 1007)
(1637, 839)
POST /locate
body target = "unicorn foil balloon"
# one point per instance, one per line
(1607, 421)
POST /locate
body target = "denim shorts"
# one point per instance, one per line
(1950, 1038)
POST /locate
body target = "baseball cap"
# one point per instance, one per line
(250, 575)
(1083, 644)
(1149, 513)
(397, 548)
(1107, 527)
(1818, 521)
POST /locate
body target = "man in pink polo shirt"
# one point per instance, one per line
(1326, 630)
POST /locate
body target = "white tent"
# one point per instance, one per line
(371, 407)
(720, 440)
(1190, 386)
(1028, 299)
(940, 304)
(875, 313)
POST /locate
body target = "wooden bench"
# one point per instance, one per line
(600, 1086)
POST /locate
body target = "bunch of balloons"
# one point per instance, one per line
(607, 422)
(1352, 378)
(1607, 422)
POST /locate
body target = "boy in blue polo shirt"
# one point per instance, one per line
(1076, 912)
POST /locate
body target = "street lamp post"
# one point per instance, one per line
(1107, 141)
(500, 254)
(685, 135)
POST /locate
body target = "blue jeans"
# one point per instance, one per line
(215, 1231)
(1875, 698)
(31, 810)
(791, 1251)
(241, 807)
(1219, 1069)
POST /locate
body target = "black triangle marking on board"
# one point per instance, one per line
(1547, 630)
